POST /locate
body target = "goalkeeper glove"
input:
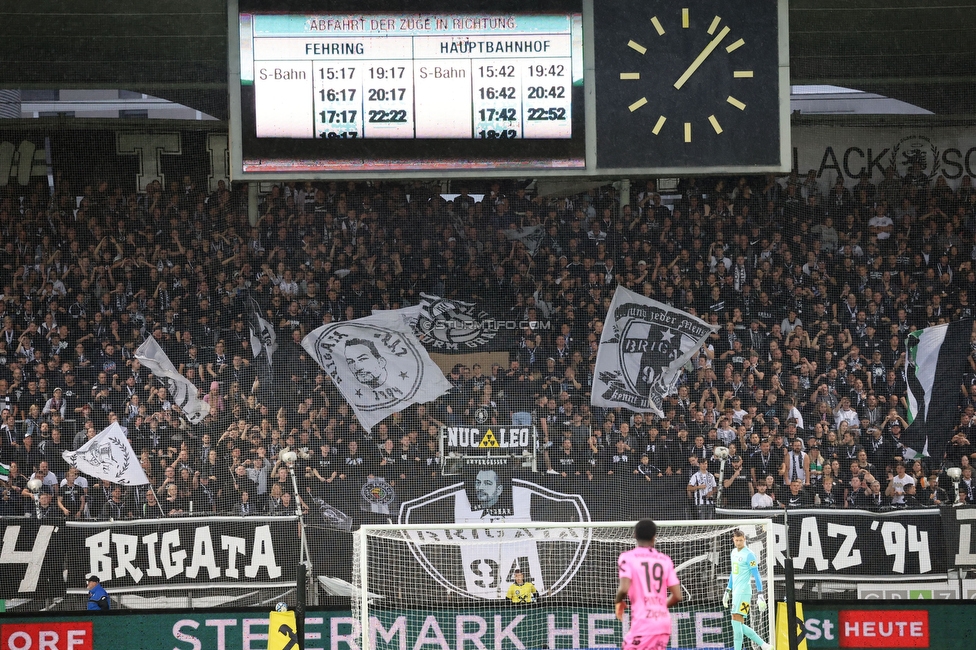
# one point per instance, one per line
(761, 603)
(619, 609)
(727, 598)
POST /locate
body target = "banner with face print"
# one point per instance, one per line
(377, 364)
(488, 485)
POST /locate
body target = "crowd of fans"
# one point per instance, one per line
(813, 288)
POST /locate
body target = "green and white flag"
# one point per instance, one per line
(937, 358)
(4, 473)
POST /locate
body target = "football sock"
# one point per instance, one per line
(737, 634)
(749, 632)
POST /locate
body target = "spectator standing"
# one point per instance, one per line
(701, 490)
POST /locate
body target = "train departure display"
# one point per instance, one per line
(419, 77)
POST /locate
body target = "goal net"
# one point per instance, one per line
(446, 587)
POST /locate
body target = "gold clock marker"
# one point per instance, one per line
(687, 131)
(640, 102)
(742, 74)
(715, 124)
(735, 102)
(685, 18)
(734, 46)
(657, 26)
(636, 47)
(630, 75)
(715, 22)
(660, 124)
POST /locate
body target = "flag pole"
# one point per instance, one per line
(158, 504)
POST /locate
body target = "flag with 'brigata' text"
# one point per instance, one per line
(644, 347)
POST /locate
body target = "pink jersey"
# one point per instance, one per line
(651, 573)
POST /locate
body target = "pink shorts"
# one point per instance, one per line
(646, 641)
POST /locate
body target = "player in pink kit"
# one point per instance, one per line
(649, 581)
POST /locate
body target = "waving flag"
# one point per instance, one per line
(644, 346)
(263, 335)
(108, 456)
(450, 326)
(937, 358)
(530, 236)
(181, 391)
(377, 364)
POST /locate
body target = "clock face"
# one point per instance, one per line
(686, 85)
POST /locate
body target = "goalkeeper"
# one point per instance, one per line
(738, 593)
(520, 592)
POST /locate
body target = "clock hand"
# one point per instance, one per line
(701, 58)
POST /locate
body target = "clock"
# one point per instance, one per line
(691, 86)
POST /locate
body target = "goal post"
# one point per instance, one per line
(445, 587)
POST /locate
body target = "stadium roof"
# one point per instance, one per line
(917, 51)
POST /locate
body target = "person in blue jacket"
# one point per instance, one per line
(97, 596)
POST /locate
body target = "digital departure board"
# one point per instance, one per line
(386, 91)
(411, 76)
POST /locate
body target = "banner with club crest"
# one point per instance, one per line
(108, 456)
(645, 345)
(377, 364)
(449, 326)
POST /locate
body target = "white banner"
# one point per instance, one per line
(181, 391)
(644, 346)
(377, 364)
(108, 456)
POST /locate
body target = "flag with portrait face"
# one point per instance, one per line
(378, 365)
(643, 349)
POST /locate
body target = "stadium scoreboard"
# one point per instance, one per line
(516, 88)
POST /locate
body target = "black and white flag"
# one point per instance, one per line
(181, 391)
(644, 346)
(937, 358)
(263, 336)
(530, 236)
(450, 326)
(377, 364)
(108, 456)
